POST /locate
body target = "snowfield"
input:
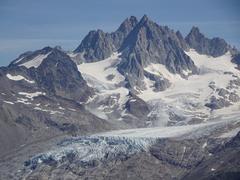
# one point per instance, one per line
(104, 77)
(187, 97)
(210, 68)
(102, 70)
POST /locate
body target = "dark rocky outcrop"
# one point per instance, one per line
(160, 84)
(124, 29)
(236, 59)
(59, 75)
(222, 165)
(214, 47)
(137, 107)
(140, 43)
(97, 45)
(150, 43)
(25, 57)
(217, 103)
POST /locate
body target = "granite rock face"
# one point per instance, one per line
(124, 29)
(214, 47)
(217, 103)
(160, 83)
(214, 168)
(98, 45)
(59, 75)
(236, 59)
(137, 107)
(150, 43)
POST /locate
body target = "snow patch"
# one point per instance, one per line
(49, 111)
(204, 145)
(36, 61)
(18, 78)
(31, 95)
(18, 60)
(213, 169)
(8, 102)
(71, 109)
(23, 101)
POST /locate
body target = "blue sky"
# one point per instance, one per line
(32, 24)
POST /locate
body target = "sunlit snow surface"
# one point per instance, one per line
(182, 132)
(100, 70)
(187, 97)
(31, 95)
(36, 61)
(18, 78)
(104, 77)
(196, 86)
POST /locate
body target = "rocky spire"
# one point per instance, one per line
(128, 24)
(124, 29)
(59, 75)
(214, 47)
(97, 45)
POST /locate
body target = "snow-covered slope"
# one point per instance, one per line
(109, 86)
(187, 98)
(187, 101)
(212, 70)
(104, 71)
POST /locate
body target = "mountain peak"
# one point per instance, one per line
(214, 47)
(146, 21)
(30, 55)
(132, 18)
(128, 24)
(195, 34)
(144, 18)
(195, 30)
